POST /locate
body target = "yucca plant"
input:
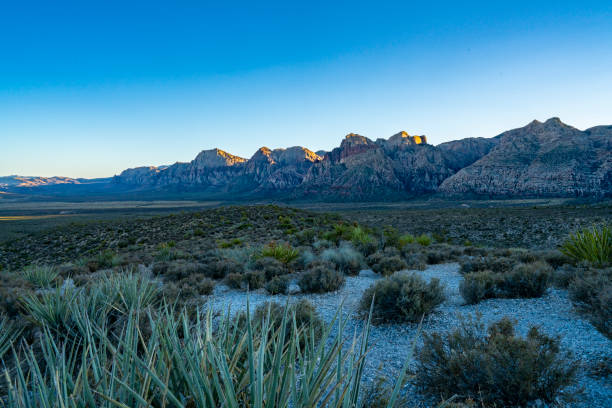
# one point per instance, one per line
(284, 253)
(182, 363)
(41, 276)
(8, 334)
(593, 245)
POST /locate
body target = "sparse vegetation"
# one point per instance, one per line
(496, 367)
(402, 297)
(592, 294)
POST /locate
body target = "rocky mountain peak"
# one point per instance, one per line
(403, 138)
(216, 158)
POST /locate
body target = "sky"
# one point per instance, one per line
(88, 89)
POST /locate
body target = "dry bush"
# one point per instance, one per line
(345, 258)
(387, 262)
(592, 294)
(277, 285)
(496, 368)
(523, 281)
(402, 297)
(320, 278)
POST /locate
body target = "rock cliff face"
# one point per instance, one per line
(540, 159)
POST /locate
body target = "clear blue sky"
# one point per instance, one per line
(90, 88)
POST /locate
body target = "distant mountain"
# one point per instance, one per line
(540, 159)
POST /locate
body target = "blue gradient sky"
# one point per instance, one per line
(88, 89)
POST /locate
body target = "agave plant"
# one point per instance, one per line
(593, 245)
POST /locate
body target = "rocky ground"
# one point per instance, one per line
(391, 344)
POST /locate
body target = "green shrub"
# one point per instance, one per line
(284, 253)
(345, 258)
(402, 297)
(404, 240)
(523, 281)
(277, 285)
(234, 280)
(424, 240)
(495, 264)
(254, 279)
(496, 368)
(477, 286)
(271, 267)
(386, 262)
(191, 287)
(41, 276)
(320, 278)
(591, 292)
(593, 245)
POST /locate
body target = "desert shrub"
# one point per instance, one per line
(41, 276)
(593, 245)
(180, 269)
(554, 258)
(404, 240)
(277, 285)
(363, 241)
(386, 262)
(234, 280)
(284, 253)
(416, 260)
(230, 243)
(496, 368)
(591, 292)
(477, 286)
(254, 279)
(192, 286)
(487, 263)
(271, 267)
(402, 297)
(306, 236)
(320, 278)
(165, 252)
(345, 258)
(424, 240)
(216, 267)
(524, 281)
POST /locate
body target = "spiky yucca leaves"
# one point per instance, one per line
(185, 364)
(284, 253)
(8, 334)
(41, 276)
(593, 245)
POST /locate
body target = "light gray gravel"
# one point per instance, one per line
(390, 344)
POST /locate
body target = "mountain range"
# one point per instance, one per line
(541, 159)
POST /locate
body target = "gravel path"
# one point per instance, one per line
(553, 313)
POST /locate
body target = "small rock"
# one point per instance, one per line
(293, 288)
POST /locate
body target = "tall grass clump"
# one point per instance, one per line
(41, 276)
(592, 245)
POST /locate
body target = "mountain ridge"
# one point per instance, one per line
(547, 158)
